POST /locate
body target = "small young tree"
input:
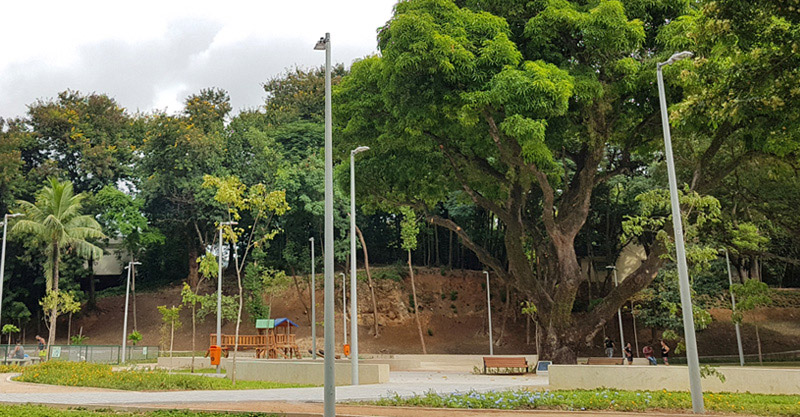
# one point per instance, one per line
(135, 337)
(170, 318)
(57, 303)
(408, 232)
(9, 329)
(263, 206)
(750, 296)
(190, 299)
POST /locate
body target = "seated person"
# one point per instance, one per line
(19, 352)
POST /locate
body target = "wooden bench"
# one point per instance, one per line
(606, 361)
(511, 366)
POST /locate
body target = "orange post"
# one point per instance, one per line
(215, 352)
(347, 350)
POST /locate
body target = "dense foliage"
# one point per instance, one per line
(526, 134)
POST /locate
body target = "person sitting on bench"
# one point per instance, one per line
(19, 352)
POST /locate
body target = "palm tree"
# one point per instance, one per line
(55, 219)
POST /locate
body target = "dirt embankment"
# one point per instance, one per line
(453, 312)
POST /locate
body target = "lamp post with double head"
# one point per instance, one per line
(353, 273)
(3, 258)
(329, 391)
(695, 386)
(219, 288)
(130, 267)
(619, 314)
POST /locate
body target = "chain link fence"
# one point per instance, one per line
(90, 353)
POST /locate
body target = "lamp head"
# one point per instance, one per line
(676, 57)
(15, 215)
(311, 239)
(611, 267)
(359, 149)
(229, 223)
(322, 43)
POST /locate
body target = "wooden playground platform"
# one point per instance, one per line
(275, 340)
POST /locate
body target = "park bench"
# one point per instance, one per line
(606, 361)
(21, 362)
(513, 366)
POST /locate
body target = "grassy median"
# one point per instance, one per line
(82, 374)
(605, 400)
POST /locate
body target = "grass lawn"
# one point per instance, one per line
(607, 400)
(41, 411)
(81, 374)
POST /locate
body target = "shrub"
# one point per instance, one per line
(82, 374)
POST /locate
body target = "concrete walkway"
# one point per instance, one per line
(400, 383)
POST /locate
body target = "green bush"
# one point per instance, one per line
(82, 374)
(612, 400)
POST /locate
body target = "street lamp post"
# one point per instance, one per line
(130, 267)
(219, 288)
(683, 272)
(313, 305)
(329, 392)
(353, 269)
(733, 306)
(489, 309)
(619, 314)
(3, 258)
(344, 307)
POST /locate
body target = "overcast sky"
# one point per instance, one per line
(152, 54)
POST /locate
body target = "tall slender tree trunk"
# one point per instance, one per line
(194, 268)
(171, 337)
(450, 252)
(416, 305)
(133, 294)
(51, 336)
(758, 341)
(69, 330)
(436, 244)
(369, 282)
(299, 294)
(239, 322)
(92, 302)
(194, 332)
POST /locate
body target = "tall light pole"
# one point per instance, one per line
(353, 273)
(683, 271)
(3, 259)
(619, 314)
(489, 309)
(313, 305)
(344, 307)
(130, 267)
(733, 306)
(329, 395)
(219, 288)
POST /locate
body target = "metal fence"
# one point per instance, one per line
(91, 353)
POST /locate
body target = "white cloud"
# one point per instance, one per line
(151, 54)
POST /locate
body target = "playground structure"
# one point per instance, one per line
(274, 340)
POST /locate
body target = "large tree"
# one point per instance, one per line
(56, 221)
(523, 121)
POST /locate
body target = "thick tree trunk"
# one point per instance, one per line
(450, 252)
(416, 305)
(369, 282)
(299, 294)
